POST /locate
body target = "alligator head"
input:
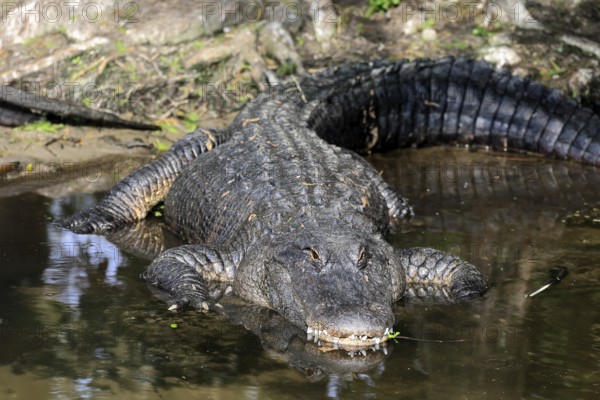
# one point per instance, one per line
(339, 286)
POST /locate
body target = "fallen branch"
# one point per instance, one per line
(587, 45)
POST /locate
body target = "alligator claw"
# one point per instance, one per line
(181, 302)
(176, 302)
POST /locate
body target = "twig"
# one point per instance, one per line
(429, 340)
(100, 62)
(152, 63)
(46, 62)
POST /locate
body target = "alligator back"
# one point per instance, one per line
(272, 177)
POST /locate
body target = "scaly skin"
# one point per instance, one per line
(285, 212)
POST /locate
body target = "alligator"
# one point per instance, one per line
(281, 207)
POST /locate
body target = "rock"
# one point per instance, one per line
(324, 18)
(570, 5)
(580, 81)
(501, 56)
(187, 20)
(153, 21)
(510, 11)
(411, 26)
(500, 39)
(79, 21)
(429, 34)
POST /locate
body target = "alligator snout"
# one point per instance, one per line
(351, 326)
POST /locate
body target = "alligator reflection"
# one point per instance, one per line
(78, 253)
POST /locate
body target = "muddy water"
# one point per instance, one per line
(76, 321)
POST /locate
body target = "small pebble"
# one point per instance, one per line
(429, 34)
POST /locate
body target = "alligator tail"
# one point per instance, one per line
(452, 100)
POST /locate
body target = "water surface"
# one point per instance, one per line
(76, 321)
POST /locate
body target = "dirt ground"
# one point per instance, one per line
(202, 75)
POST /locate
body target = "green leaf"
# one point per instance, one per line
(167, 126)
(41, 126)
(120, 46)
(160, 146)
(480, 31)
(393, 335)
(381, 6)
(190, 121)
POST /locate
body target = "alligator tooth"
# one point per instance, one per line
(363, 352)
(386, 331)
(205, 305)
(385, 351)
(336, 339)
(319, 343)
(316, 338)
(376, 340)
(317, 332)
(351, 337)
(351, 353)
(309, 330)
(363, 338)
(377, 346)
(173, 307)
(325, 332)
(336, 345)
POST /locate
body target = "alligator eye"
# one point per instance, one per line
(313, 254)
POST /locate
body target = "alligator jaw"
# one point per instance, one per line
(352, 341)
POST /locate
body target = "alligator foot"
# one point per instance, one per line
(432, 275)
(179, 276)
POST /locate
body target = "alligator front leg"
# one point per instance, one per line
(132, 198)
(182, 275)
(398, 207)
(433, 275)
